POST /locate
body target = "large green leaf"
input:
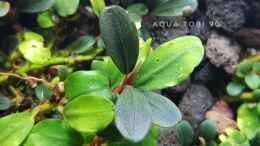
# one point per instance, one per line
(66, 7)
(133, 114)
(109, 69)
(120, 37)
(4, 8)
(170, 63)
(86, 82)
(15, 128)
(164, 112)
(53, 133)
(34, 6)
(89, 113)
(248, 120)
(175, 8)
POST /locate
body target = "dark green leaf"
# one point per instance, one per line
(86, 82)
(43, 92)
(120, 37)
(252, 81)
(176, 8)
(4, 8)
(89, 113)
(5, 103)
(235, 89)
(109, 69)
(185, 133)
(133, 114)
(136, 11)
(34, 6)
(53, 133)
(66, 8)
(208, 130)
(170, 64)
(15, 128)
(256, 140)
(83, 44)
(63, 71)
(164, 112)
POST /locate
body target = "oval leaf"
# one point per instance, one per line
(4, 8)
(252, 81)
(89, 113)
(15, 128)
(176, 8)
(170, 63)
(66, 8)
(133, 117)
(43, 92)
(34, 6)
(164, 112)
(5, 103)
(85, 82)
(185, 133)
(120, 37)
(53, 133)
(235, 89)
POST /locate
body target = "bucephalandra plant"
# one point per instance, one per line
(117, 96)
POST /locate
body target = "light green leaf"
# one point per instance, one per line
(109, 69)
(89, 113)
(133, 114)
(170, 64)
(34, 6)
(175, 8)
(66, 8)
(46, 19)
(233, 137)
(15, 128)
(98, 5)
(86, 82)
(235, 88)
(120, 37)
(248, 120)
(164, 112)
(53, 133)
(4, 8)
(252, 81)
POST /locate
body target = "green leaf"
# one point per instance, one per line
(256, 67)
(89, 113)
(133, 116)
(144, 52)
(252, 81)
(53, 133)
(164, 112)
(34, 6)
(233, 138)
(46, 19)
(208, 130)
(66, 8)
(136, 11)
(5, 103)
(235, 88)
(97, 6)
(258, 108)
(15, 128)
(86, 82)
(248, 120)
(256, 140)
(43, 92)
(170, 64)
(244, 68)
(4, 8)
(176, 8)
(83, 44)
(109, 69)
(185, 133)
(120, 37)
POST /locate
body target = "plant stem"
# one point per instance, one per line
(57, 60)
(41, 108)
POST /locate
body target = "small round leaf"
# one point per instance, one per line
(252, 81)
(235, 88)
(4, 8)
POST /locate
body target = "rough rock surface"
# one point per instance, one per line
(195, 103)
(249, 37)
(167, 137)
(223, 52)
(230, 15)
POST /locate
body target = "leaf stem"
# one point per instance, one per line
(41, 108)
